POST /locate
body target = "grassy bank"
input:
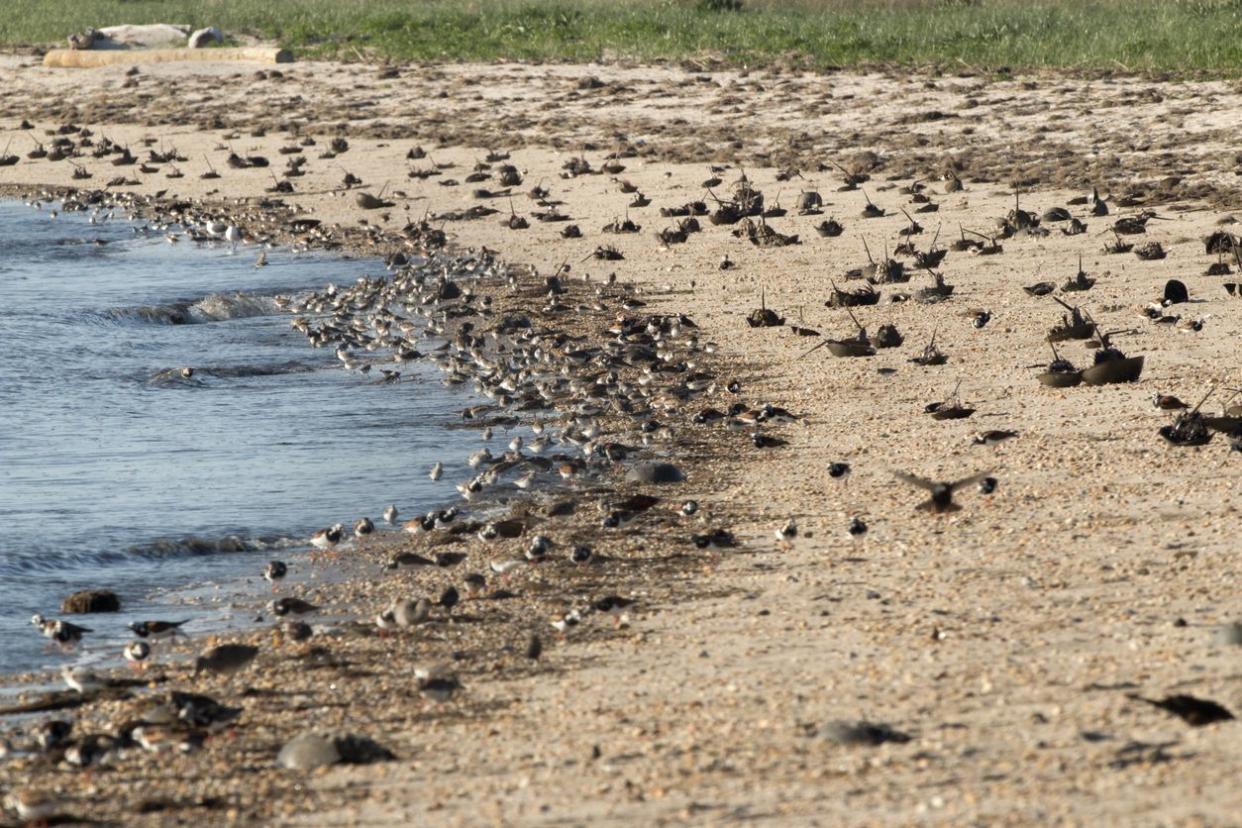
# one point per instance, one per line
(1141, 35)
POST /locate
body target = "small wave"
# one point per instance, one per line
(178, 377)
(269, 370)
(195, 545)
(217, 307)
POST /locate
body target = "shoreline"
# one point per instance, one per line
(1003, 640)
(348, 594)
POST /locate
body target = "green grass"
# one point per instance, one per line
(1183, 36)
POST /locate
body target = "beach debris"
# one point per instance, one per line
(950, 408)
(931, 355)
(1080, 281)
(829, 228)
(763, 316)
(1077, 324)
(1060, 373)
(1110, 364)
(859, 346)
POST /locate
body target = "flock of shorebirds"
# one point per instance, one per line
(598, 406)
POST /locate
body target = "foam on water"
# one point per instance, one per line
(117, 472)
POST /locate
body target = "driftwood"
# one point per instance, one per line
(91, 58)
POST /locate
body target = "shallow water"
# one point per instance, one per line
(112, 475)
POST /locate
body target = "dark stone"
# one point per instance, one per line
(91, 600)
(655, 473)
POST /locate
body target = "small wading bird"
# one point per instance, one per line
(941, 499)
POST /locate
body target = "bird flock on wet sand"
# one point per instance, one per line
(593, 390)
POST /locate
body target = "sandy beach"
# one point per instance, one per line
(1004, 640)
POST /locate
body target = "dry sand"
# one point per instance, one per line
(1003, 638)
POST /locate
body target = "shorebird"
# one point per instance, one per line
(62, 632)
(1167, 402)
(538, 549)
(136, 653)
(328, 538)
(857, 527)
(786, 534)
(275, 571)
(839, 471)
(690, 507)
(232, 235)
(436, 683)
(363, 527)
(437, 471)
(156, 629)
(991, 438)
(32, 806)
(155, 738)
(81, 680)
(281, 607)
(581, 554)
(941, 499)
(390, 514)
(410, 613)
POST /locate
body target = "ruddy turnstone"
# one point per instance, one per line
(328, 538)
(941, 499)
(62, 632)
(225, 659)
(296, 631)
(275, 571)
(715, 539)
(581, 554)
(857, 527)
(786, 534)
(137, 653)
(157, 630)
(52, 733)
(1167, 402)
(281, 607)
(363, 527)
(538, 549)
(448, 599)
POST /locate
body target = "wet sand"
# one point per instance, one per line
(1003, 638)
